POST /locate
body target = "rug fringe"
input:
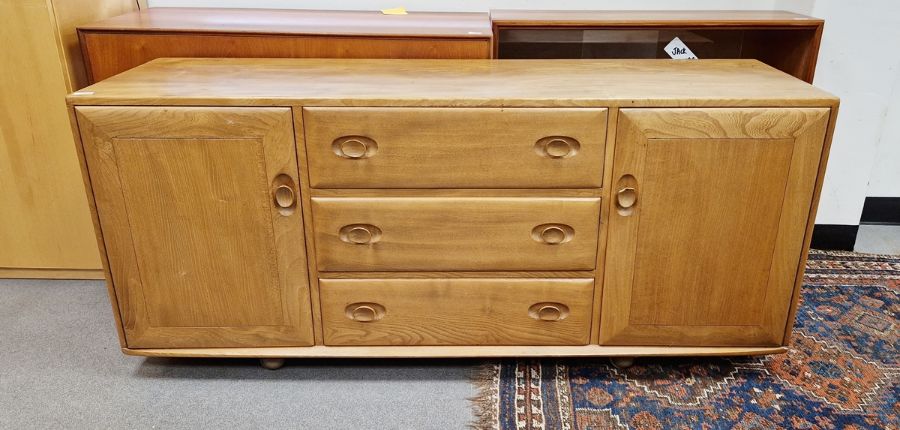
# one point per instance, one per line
(486, 403)
(850, 253)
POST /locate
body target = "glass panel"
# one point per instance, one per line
(786, 49)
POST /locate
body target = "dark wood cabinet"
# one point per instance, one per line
(784, 40)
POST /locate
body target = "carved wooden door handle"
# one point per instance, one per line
(627, 195)
(548, 311)
(284, 196)
(364, 312)
(360, 234)
(354, 147)
(557, 146)
(552, 234)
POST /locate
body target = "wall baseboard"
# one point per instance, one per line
(881, 210)
(834, 237)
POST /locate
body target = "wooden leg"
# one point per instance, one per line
(271, 363)
(622, 362)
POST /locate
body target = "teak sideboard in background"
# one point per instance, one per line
(286, 207)
(120, 43)
(784, 40)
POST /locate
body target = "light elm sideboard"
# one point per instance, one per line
(441, 208)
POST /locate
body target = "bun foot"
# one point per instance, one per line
(271, 363)
(622, 362)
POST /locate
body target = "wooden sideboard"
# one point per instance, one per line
(117, 44)
(44, 217)
(414, 208)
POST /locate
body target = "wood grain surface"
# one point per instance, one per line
(457, 148)
(649, 18)
(110, 53)
(45, 225)
(442, 83)
(117, 44)
(713, 263)
(456, 311)
(198, 253)
(685, 237)
(322, 351)
(455, 234)
(466, 25)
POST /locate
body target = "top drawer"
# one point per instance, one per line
(455, 147)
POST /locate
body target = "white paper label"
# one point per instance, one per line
(679, 51)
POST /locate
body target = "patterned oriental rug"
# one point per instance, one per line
(841, 372)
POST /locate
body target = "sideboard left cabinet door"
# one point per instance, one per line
(707, 225)
(200, 214)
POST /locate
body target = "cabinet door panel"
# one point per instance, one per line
(708, 253)
(199, 254)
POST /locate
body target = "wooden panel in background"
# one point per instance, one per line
(45, 227)
(72, 13)
(457, 311)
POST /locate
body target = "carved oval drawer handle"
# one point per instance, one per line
(557, 147)
(364, 312)
(360, 234)
(354, 147)
(548, 311)
(553, 234)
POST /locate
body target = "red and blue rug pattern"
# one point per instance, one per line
(841, 371)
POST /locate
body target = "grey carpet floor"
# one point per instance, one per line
(60, 367)
(878, 239)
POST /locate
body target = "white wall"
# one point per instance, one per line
(885, 178)
(859, 61)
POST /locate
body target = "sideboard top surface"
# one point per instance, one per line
(356, 82)
(298, 21)
(644, 18)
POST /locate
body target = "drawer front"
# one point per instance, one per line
(455, 147)
(455, 233)
(456, 311)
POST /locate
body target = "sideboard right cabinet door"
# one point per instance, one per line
(707, 224)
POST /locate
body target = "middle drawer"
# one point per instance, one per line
(455, 233)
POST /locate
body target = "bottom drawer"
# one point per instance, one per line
(456, 311)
